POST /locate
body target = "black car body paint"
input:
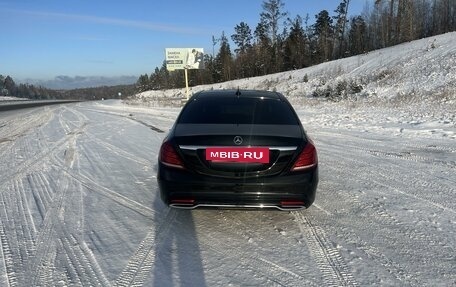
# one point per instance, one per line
(245, 119)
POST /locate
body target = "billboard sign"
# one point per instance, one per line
(184, 58)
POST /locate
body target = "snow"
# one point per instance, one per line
(79, 203)
(5, 98)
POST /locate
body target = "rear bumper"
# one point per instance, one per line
(186, 189)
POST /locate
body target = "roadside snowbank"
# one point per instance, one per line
(407, 89)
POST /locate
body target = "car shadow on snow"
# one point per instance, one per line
(178, 260)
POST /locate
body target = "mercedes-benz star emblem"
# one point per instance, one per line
(237, 140)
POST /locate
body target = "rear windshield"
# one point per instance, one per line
(238, 110)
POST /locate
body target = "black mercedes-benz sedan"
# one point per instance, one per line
(238, 148)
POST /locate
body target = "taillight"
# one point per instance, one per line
(168, 156)
(307, 159)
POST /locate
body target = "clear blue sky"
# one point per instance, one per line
(42, 39)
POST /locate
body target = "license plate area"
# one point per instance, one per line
(238, 154)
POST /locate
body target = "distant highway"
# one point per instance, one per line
(14, 105)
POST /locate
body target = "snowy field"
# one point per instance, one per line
(79, 203)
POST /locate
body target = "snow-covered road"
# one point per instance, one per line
(79, 207)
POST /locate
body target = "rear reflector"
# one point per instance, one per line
(307, 159)
(168, 156)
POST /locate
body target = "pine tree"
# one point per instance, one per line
(10, 86)
(3, 90)
(223, 61)
(323, 33)
(357, 36)
(341, 23)
(242, 38)
(143, 83)
(295, 46)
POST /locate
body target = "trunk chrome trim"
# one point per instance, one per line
(196, 147)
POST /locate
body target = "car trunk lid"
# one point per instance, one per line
(240, 150)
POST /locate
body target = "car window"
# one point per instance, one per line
(238, 110)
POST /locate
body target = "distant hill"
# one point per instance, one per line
(78, 82)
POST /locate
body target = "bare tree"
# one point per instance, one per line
(270, 17)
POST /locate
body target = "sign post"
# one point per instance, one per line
(186, 83)
(184, 59)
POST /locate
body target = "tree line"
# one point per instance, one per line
(9, 88)
(279, 43)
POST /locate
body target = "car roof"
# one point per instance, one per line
(240, 93)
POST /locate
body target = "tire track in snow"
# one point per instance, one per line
(166, 120)
(20, 243)
(26, 222)
(20, 259)
(47, 248)
(410, 156)
(248, 258)
(333, 268)
(416, 235)
(142, 262)
(56, 242)
(31, 163)
(399, 183)
(78, 255)
(41, 191)
(375, 214)
(90, 184)
(395, 269)
(140, 265)
(130, 117)
(15, 128)
(238, 226)
(111, 194)
(118, 151)
(17, 234)
(10, 153)
(83, 262)
(45, 244)
(110, 147)
(6, 249)
(408, 151)
(273, 272)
